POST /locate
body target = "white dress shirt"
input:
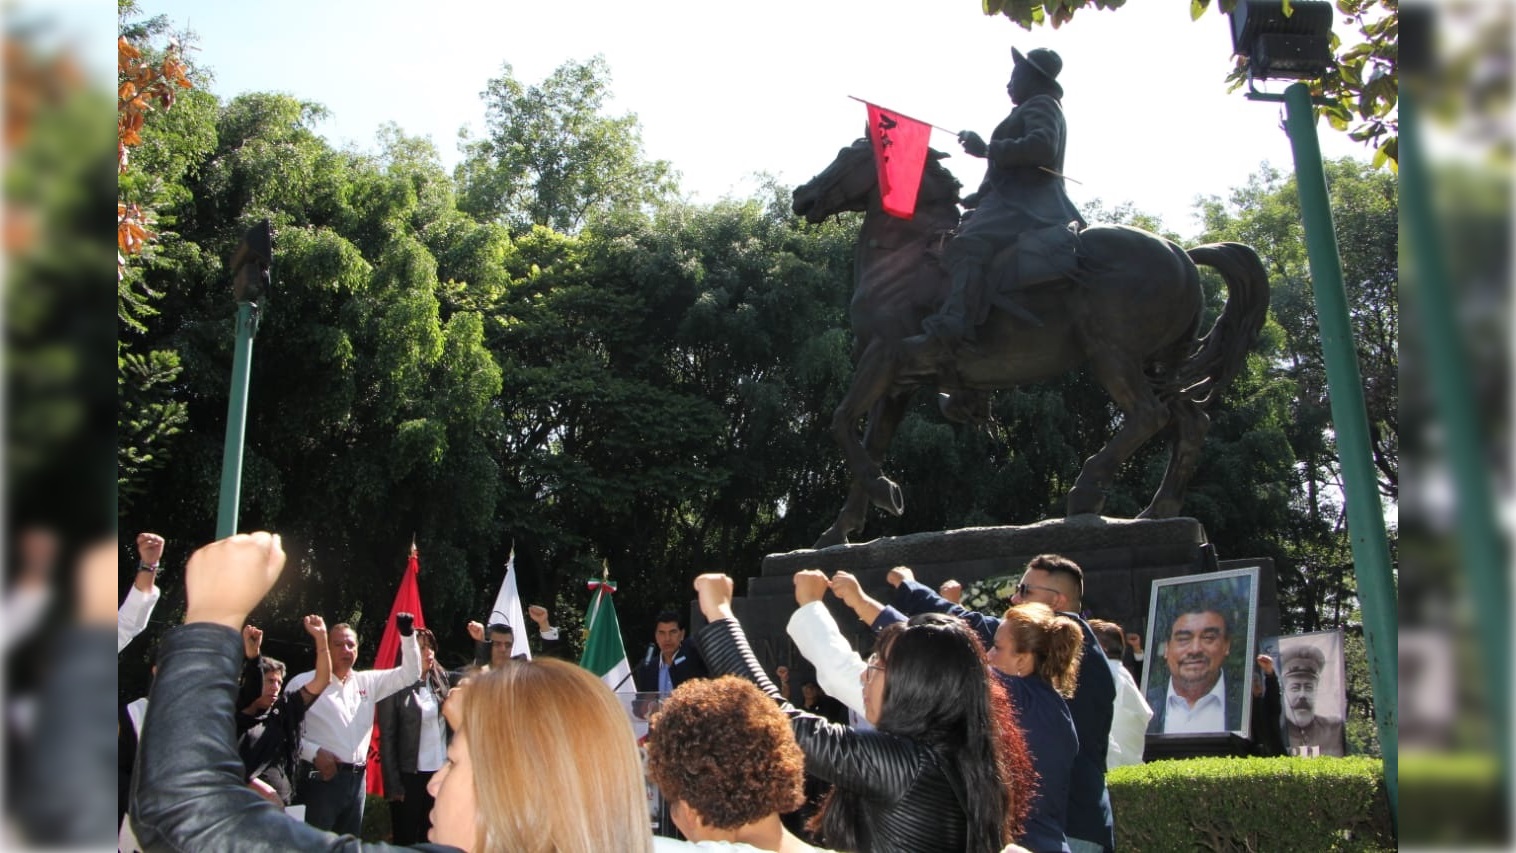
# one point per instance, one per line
(838, 667)
(135, 611)
(341, 720)
(1129, 725)
(433, 746)
(1207, 717)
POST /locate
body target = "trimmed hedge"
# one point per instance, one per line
(1453, 800)
(1273, 804)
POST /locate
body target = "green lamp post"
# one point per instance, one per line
(1297, 46)
(250, 286)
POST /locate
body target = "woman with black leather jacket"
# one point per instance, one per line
(413, 744)
(936, 772)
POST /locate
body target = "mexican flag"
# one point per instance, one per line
(604, 653)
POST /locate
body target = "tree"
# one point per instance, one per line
(149, 84)
(1361, 87)
(549, 156)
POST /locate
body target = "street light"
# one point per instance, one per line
(1298, 47)
(250, 264)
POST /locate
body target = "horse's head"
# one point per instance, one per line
(851, 182)
(844, 185)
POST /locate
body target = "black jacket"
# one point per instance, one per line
(687, 664)
(269, 743)
(908, 804)
(1092, 708)
(400, 727)
(189, 792)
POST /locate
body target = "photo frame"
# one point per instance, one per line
(1312, 673)
(1209, 622)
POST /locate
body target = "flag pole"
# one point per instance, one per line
(912, 118)
(1055, 174)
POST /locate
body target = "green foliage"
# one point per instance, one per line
(1452, 801)
(1306, 804)
(549, 156)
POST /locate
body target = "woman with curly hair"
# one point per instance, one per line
(937, 773)
(725, 759)
(1038, 652)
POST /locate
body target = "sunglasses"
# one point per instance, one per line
(1023, 588)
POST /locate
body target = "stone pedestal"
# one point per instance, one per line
(1121, 558)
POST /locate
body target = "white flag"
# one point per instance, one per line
(508, 610)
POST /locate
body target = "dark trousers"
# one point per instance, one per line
(411, 818)
(335, 804)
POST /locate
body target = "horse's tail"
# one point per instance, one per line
(1224, 349)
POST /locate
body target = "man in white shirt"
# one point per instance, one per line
(339, 724)
(137, 609)
(1129, 724)
(1196, 699)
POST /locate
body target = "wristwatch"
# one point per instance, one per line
(144, 567)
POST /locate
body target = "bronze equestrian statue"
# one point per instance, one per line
(1129, 306)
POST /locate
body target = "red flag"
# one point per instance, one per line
(900, 155)
(407, 600)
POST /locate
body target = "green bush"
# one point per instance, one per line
(1273, 804)
(1452, 800)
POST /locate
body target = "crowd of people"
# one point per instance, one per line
(961, 731)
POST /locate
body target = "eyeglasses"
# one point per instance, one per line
(871, 669)
(1023, 588)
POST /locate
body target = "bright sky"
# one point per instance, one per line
(727, 91)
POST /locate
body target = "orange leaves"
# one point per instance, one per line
(139, 86)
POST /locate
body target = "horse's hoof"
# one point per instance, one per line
(832, 536)
(885, 494)
(1084, 500)
(1160, 509)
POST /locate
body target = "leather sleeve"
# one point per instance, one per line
(874, 764)
(248, 690)
(388, 712)
(189, 792)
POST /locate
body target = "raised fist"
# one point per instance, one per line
(252, 641)
(149, 548)
(405, 623)
(316, 627)
(810, 585)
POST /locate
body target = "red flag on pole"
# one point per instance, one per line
(407, 600)
(900, 155)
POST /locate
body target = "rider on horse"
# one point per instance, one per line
(1022, 192)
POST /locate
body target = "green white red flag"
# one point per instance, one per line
(604, 653)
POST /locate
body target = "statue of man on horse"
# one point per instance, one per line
(1022, 196)
(1122, 302)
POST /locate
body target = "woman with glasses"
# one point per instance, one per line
(945, 768)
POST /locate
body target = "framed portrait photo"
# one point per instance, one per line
(1198, 672)
(1312, 677)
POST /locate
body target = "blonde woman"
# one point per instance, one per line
(1038, 651)
(543, 760)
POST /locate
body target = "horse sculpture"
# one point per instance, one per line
(1131, 312)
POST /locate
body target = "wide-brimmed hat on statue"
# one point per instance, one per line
(1047, 62)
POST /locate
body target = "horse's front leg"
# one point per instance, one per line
(869, 392)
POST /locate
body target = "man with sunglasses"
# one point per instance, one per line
(1058, 582)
